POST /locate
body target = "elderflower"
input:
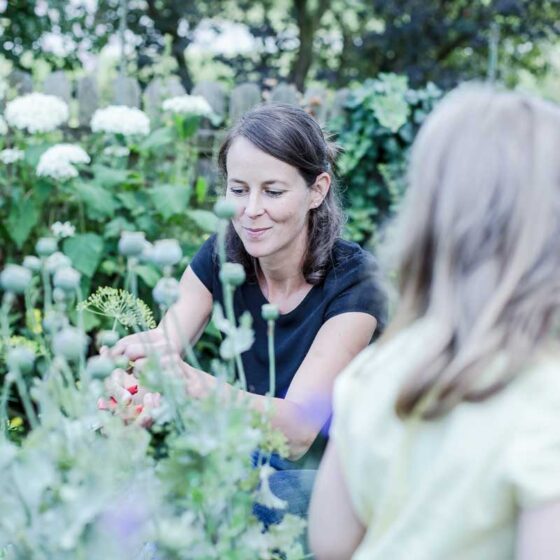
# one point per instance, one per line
(11, 155)
(121, 306)
(36, 112)
(3, 126)
(120, 119)
(188, 105)
(57, 161)
(63, 229)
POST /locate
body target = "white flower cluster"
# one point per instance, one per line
(63, 229)
(36, 112)
(11, 155)
(120, 119)
(3, 126)
(188, 105)
(57, 161)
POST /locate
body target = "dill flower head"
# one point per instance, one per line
(120, 119)
(36, 112)
(120, 306)
(3, 126)
(57, 162)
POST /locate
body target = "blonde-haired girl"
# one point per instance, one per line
(446, 436)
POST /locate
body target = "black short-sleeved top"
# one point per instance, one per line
(351, 284)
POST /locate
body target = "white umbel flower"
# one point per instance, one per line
(11, 155)
(188, 105)
(120, 119)
(57, 161)
(36, 112)
(63, 229)
(3, 126)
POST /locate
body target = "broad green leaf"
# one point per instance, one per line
(201, 189)
(149, 275)
(157, 139)
(169, 200)
(108, 177)
(85, 251)
(34, 152)
(98, 202)
(204, 219)
(22, 219)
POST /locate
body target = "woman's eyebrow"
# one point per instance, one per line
(263, 184)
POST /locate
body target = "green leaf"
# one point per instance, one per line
(157, 139)
(97, 201)
(85, 251)
(204, 219)
(108, 177)
(149, 275)
(170, 199)
(34, 152)
(22, 219)
(201, 189)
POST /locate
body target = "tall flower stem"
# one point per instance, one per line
(25, 399)
(271, 360)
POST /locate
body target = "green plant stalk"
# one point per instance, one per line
(230, 314)
(186, 345)
(6, 304)
(25, 399)
(132, 279)
(47, 291)
(4, 404)
(80, 314)
(271, 360)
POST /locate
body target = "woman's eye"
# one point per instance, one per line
(237, 190)
(274, 194)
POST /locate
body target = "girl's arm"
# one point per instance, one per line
(334, 529)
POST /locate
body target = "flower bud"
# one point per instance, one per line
(67, 279)
(225, 209)
(57, 260)
(107, 338)
(166, 292)
(131, 243)
(32, 263)
(166, 252)
(46, 246)
(99, 367)
(20, 359)
(60, 296)
(69, 343)
(270, 312)
(122, 362)
(15, 278)
(232, 273)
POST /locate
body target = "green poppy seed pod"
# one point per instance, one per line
(54, 321)
(60, 296)
(166, 292)
(122, 362)
(232, 273)
(46, 246)
(69, 343)
(131, 243)
(32, 263)
(67, 279)
(57, 260)
(107, 338)
(224, 209)
(270, 312)
(99, 367)
(15, 278)
(20, 359)
(166, 252)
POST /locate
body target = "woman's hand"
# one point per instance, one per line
(141, 345)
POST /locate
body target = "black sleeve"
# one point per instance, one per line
(355, 286)
(204, 263)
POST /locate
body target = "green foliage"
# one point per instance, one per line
(376, 131)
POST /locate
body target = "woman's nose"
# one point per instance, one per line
(254, 206)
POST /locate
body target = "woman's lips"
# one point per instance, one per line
(255, 233)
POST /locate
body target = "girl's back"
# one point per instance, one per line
(449, 487)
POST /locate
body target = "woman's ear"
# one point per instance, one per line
(319, 189)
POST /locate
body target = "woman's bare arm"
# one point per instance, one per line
(538, 534)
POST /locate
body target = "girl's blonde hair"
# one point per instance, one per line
(478, 243)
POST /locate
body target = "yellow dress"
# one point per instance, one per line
(449, 488)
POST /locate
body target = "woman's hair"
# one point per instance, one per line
(478, 244)
(291, 135)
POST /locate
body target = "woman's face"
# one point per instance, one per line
(272, 200)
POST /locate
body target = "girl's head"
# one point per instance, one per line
(480, 240)
(277, 166)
